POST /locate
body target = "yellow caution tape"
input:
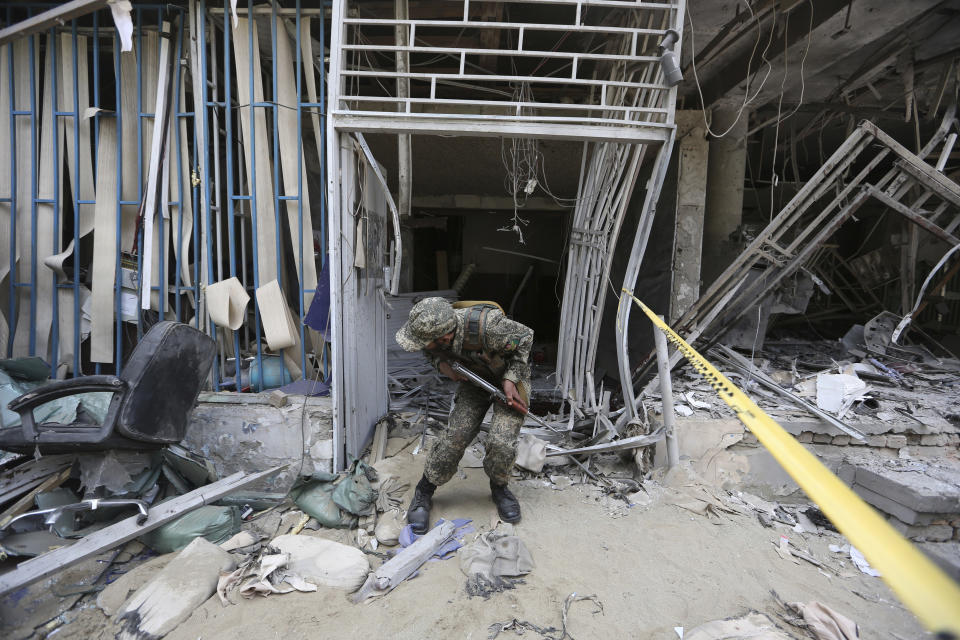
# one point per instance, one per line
(929, 593)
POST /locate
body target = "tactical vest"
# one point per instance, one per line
(475, 322)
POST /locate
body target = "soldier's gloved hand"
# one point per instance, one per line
(513, 396)
(448, 371)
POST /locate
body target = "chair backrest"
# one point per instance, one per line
(164, 374)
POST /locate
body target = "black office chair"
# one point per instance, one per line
(151, 400)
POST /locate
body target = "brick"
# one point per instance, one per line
(842, 440)
(877, 441)
(857, 442)
(805, 437)
(822, 438)
(933, 440)
(930, 532)
(896, 442)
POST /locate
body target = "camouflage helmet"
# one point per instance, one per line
(429, 319)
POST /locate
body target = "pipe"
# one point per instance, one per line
(666, 394)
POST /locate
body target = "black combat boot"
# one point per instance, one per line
(507, 504)
(418, 515)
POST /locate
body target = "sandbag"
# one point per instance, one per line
(354, 493)
(215, 524)
(324, 562)
(315, 499)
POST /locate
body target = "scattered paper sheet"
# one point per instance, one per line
(862, 563)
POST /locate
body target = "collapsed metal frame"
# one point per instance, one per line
(919, 192)
(63, 120)
(608, 176)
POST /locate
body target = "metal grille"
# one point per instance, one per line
(550, 68)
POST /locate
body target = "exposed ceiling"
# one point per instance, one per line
(803, 73)
(801, 66)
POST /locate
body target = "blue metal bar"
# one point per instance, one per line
(139, 238)
(231, 230)
(252, 180)
(205, 128)
(13, 200)
(300, 185)
(278, 253)
(76, 203)
(176, 125)
(77, 320)
(117, 264)
(323, 138)
(161, 129)
(53, 56)
(33, 197)
(323, 169)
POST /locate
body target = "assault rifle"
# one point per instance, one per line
(497, 393)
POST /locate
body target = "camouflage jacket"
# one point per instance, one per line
(505, 352)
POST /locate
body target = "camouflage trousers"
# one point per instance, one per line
(470, 404)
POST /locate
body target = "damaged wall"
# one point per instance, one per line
(245, 432)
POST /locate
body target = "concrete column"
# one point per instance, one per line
(691, 155)
(724, 201)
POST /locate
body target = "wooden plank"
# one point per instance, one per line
(104, 246)
(378, 447)
(56, 16)
(127, 96)
(150, 263)
(404, 564)
(125, 530)
(49, 187)
(291, 154)
(256, 148)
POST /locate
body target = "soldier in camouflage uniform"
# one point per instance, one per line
(484, 340)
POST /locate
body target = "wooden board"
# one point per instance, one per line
(301, 235)
(125, 530)
(256, 148)
(104, 246)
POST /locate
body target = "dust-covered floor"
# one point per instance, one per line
(654, 566)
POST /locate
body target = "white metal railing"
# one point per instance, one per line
(498, 62)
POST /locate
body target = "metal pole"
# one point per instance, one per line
(666, 394)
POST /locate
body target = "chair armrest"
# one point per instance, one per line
(60, 388)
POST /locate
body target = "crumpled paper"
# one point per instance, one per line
(262, 576)
(531, 453)
(824, 622)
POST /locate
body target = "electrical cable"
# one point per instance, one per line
(746, 95)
